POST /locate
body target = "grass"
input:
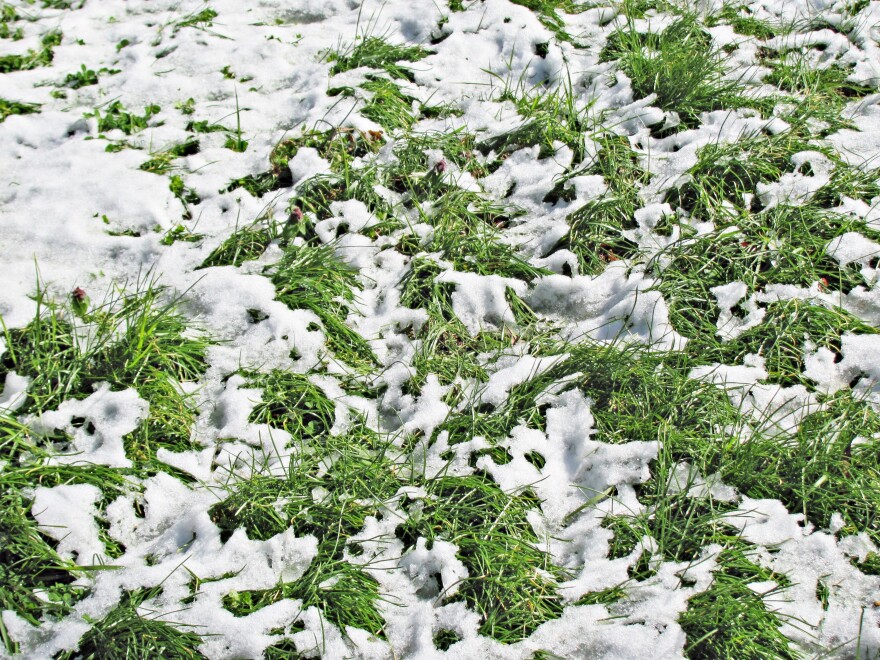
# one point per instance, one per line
(161, 162)
(315, 279)
(783, 245)
(36, 582)
(548, 13)
(551, 116)
(9, 108)
(679, 65)
(359, 480)
(707, 621)
(33, 58)
(293, 403)
(376, 53)
(740, 19)
(127, 633)
(510, 580)
(137, 340)
(244, 244)
(339, 481)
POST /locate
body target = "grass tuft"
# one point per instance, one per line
(376, 53)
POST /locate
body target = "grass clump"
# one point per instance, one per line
(36, 582)
(245, 244)
(292, 402)
(353, 486)
(459, 147)
(340, 146)
(781, 338)
(551, 117)
(678, 65)
(9, 15)
(510, 582)
(548, 13)
(161, 161)
(199, 20)
(830, 465)
(8, 108)
(596, 229)
(376, 53)
(724, 173)
(86, 77)
(739, 18)
(388, 106)
(127, 633)
(785, 245)
(314, 278)
(33, 58)
(643, 395)
(136, 341)
(729, 620)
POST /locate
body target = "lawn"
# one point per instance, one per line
(515, 329)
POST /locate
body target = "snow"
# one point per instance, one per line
(66, 514)
(796, 188)
(107, 415)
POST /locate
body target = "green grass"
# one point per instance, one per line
(336, 480)
(739, 18)
(126, 633)
(376, 53)
(291, 402)
(138, 341)
(36, 582)
(199, 20)
(548, 13)
(33, 58)
(678, 65)
(550, 116)
(8, 108)
(315, 279)
(785, 245)
(161, 162)
(360, 478)
(244, 244)
(498, 547)
(729, 620)
(781, 337)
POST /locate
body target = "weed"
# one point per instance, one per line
(200, 20)
(117, 117)
(8, 108)
(86, 77)
(33, 58)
